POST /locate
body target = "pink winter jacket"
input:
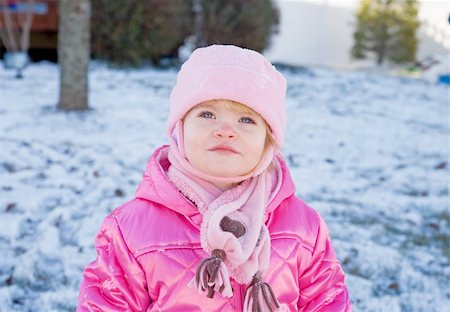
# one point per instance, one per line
(149, 248)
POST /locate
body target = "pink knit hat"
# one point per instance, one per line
(230, 73)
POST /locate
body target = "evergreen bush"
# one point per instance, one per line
(130, 32)
(249, 23)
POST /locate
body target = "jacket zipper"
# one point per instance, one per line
(237, 296)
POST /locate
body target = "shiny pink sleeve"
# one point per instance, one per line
(322, 286)
(115, 281)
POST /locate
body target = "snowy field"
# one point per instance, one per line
(370, 153)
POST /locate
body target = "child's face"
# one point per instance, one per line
(223, 142)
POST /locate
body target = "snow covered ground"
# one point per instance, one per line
(370, 153)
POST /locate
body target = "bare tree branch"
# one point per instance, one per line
(9, 25)
(26, 28)
(15, 34)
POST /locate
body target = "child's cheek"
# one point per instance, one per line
(205, 122)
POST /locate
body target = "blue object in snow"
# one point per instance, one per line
(445, 79)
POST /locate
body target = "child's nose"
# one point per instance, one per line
(224, 132)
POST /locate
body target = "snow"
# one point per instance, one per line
(369, 152)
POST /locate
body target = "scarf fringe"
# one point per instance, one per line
(212, 275)
(259, 297)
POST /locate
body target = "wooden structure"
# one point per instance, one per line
(44, 30)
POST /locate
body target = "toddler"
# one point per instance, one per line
(215, 224)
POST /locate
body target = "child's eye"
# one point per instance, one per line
(247, 120)
(206, 114)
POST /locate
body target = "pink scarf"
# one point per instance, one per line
(233, 230)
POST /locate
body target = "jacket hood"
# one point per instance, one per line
(156, 187)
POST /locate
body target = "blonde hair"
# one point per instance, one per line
(239, 107)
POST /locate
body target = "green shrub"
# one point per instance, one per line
(130, 32)
(246, 23)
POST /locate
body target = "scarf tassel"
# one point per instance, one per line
(212, 275)
(259, 297)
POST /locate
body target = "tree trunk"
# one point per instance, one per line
(74, 53)
(381, 50)
(198, 26)
(382, 43)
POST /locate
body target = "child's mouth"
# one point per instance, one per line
(223, 149)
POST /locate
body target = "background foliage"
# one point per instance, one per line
(248, 24)
(387, 30)
(130, 32)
